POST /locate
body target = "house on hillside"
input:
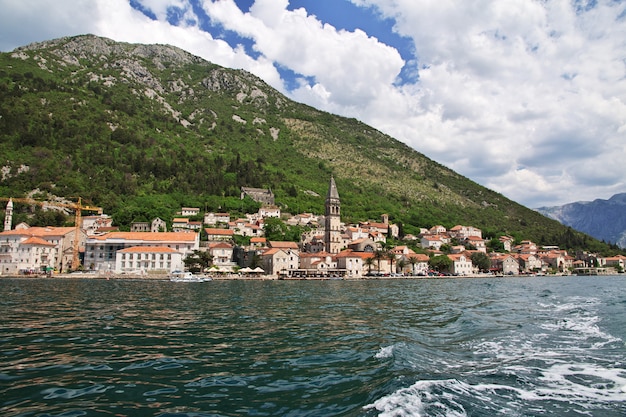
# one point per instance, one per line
(432, 242)
(140, 227)
(216, 234)
(316, 244)
(213, 219)
(437, 230)
(258, 242)
(293, 246)
(158, 225)
(222, 254)
(260, 195)
(303, 219)
(364, 245)
(507, 242)
(477, 242)
(180, 224)
(243, 227)
(268, 211)
(526, 247)
(92, 224)
(189, 211)
(463, 232)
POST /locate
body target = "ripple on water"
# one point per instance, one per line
(69, 393)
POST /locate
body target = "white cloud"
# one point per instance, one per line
(527, 86)
(350, 67)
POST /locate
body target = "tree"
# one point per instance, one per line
(378, 256)
(481, 261)
(391, 257)
(198, 260)
(274, 229)
(369, 262)
(413, 261)
(401, 264)
(440, 263)
(495, 245)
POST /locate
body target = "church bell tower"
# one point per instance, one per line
(332, 224)
(8, 216)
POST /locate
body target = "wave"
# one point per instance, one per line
(559, 360)
(562, 389)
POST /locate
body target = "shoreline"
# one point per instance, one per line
(237, 277)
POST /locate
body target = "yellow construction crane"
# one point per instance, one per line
(78, 208)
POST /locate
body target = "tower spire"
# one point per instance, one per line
(332, 220)
(8, 216)
(332, 190)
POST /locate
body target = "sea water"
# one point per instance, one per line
(534, 346)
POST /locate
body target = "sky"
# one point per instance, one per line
(525, 97)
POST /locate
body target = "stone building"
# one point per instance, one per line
(332, 219)
(260, 195)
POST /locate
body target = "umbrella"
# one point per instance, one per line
(259, 270)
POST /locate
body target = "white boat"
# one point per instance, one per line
(180, 276)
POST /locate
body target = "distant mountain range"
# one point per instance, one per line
(603, 219)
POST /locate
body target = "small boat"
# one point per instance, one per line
(180, 276)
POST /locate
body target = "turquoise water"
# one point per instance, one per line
(540, 346)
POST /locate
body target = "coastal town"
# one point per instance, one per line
(329, 249)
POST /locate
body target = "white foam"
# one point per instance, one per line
(583, 382)
(384, 352)
(570, 384)
(411, 401)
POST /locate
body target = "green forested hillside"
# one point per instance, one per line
(142, 130)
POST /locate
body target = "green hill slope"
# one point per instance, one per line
(143, 129)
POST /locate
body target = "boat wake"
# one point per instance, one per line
(563, 364)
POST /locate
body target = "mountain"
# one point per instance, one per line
(142, 130)
(602, 219)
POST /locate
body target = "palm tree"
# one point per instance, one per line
(412, 261)
(369, 262)
(391, 257)
(379, 255)
(401, 264)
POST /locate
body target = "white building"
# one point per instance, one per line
(37, 248)
(269, 211)
(100, 251)
(91, 224)
(353, 262)
(432, 242)
(222, 254)
(148, 259)
(216, 218)
(461, 264)
(189, 211)
(277, 261)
